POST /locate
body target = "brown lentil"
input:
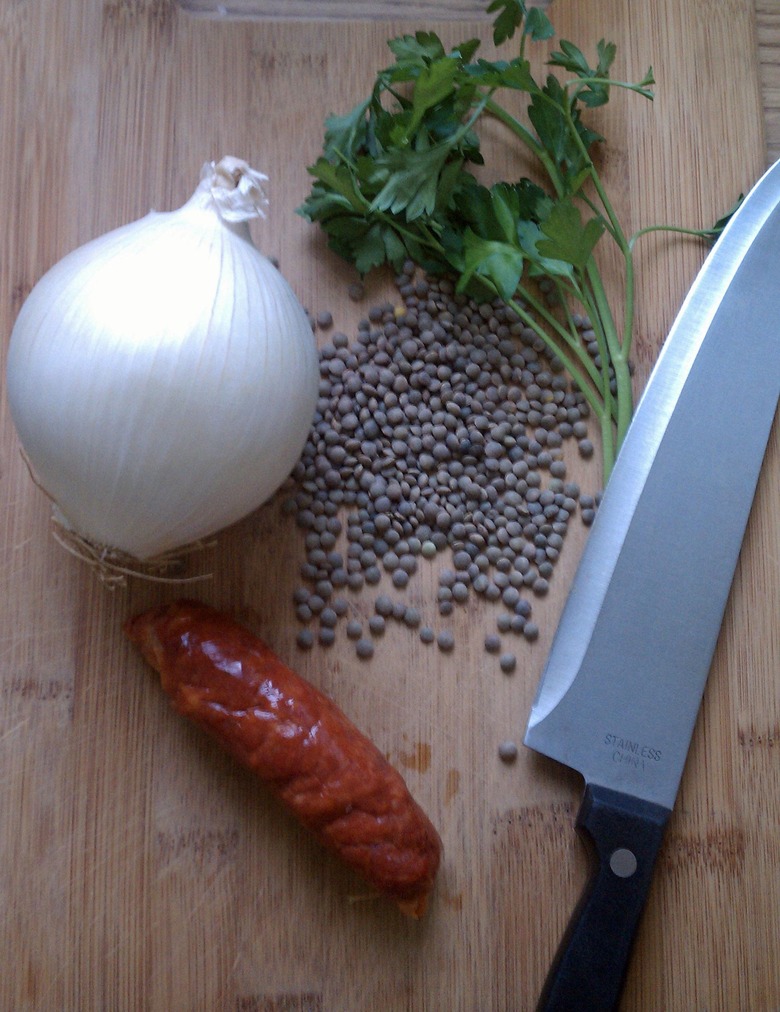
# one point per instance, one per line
(507, 751)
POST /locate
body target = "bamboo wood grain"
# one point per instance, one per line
(139, 869)
(766, 14)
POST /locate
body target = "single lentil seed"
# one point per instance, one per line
(445, 640)
(316, 604)
(586, 448)
(504, 622)
(383, 606)
(523, 607)
(508, 663)
(507, 751)
(400, 578)
(492, 643)
(364, 648)
(305, 639)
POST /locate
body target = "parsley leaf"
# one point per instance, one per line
(714, 233)
(561, 130)
(514, 14)
(529, 235)
(499, 262)
(511, 16)
(338, 185)
(413, 52)
(346, 133)
(435, 82)
(566, 237)
(515, 74)
(537, 25)
(595, 80)
(412, 180)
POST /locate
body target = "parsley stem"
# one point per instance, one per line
(524, 134)
(697, 233)
(607, 82)
(616, 229)
(479, 108)
(595, 385)
(568, 336)
(608, 450)
(598, 212)
(600, 378)
(617, 348)
(630, 289)
(611, 410)
(616, 357)
(421, 237)
(600, 328)
(569, 364)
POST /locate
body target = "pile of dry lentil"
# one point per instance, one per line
(439, 429)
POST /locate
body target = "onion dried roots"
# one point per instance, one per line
(113, 567)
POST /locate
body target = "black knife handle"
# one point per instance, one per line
(624, 836)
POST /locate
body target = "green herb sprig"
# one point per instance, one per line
(394, 182)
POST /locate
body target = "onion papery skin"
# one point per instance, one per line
(162, 380)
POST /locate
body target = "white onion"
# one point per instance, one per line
(163, 377)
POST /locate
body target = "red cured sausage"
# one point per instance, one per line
(327, 773)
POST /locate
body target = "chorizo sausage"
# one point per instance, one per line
(272, 721)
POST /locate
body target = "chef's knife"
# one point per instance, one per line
(619, 695)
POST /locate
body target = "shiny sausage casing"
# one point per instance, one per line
(324, 770)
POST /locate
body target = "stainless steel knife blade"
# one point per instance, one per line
(621, 689)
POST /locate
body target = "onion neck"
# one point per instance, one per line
(234, 190)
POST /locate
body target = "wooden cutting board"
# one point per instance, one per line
(138, 868)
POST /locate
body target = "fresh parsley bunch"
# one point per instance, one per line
(395, 181)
